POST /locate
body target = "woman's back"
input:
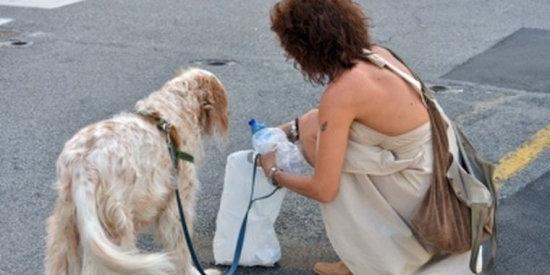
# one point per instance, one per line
(388, 104)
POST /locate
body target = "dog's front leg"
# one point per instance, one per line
(169, 234)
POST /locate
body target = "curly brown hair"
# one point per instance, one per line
(324, 37)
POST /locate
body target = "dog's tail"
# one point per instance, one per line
(96, 242)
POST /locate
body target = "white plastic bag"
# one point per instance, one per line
(261, 246)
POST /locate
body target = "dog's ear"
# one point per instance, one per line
(213, 115)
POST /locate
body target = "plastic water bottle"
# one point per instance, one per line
(268, 139)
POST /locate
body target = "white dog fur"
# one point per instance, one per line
(115, 179)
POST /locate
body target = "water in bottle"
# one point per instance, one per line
(268, 139)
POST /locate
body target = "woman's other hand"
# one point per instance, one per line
(267, 161)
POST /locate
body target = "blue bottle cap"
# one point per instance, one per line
(256, 126)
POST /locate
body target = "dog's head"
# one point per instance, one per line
(212, 99)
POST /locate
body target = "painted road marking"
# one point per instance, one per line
(5, 20)
(521, 157)
(43, 4)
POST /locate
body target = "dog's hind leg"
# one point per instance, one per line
(117, 223)
(62, 241)
(117, 220)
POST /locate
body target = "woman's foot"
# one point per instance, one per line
(336, 268)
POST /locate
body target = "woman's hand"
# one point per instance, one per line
(267, 161)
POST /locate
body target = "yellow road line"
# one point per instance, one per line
(521, 157)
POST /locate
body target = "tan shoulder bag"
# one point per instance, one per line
(458, 211)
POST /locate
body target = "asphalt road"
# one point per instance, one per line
(92, 59)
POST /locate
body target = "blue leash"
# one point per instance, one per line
(242, 231)
(188, 236)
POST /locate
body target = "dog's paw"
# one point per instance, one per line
(212, 271)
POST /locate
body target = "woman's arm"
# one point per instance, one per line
(336, 113)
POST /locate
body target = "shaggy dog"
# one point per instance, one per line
(115, 179)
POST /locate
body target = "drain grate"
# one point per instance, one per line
(14, 43)
(214, 62)
(439, 88)
(445, 89)
(19, 43)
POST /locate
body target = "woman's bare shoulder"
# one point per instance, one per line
(361, 75)
(353, 88)
(361, 84)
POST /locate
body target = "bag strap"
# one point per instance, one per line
(382, 63)
(187, 236)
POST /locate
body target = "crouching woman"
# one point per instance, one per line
(369, 141)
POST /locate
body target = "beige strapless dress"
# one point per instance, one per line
(383, 181)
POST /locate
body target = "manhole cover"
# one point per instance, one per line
(214, 62)
(520, 61)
